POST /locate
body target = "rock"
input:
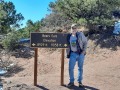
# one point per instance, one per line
(19, 87)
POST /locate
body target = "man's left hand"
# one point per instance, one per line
(84, 52)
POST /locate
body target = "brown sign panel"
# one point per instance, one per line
(49, 40)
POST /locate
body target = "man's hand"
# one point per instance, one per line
(83, 52)
(68, 56)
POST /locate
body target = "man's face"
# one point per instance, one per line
(74, 30)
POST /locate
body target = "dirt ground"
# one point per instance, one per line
(101, 72)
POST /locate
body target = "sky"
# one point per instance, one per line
(32, 9)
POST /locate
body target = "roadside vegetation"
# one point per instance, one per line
(96, 16)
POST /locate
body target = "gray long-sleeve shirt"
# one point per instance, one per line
(82, 40)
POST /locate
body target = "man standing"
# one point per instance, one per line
(116, 30)
(76, 53)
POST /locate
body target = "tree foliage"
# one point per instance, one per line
(90, 11)
(8, 17)
(30, 27)
(54, 22)
(11, 40)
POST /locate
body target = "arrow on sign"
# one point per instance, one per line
(65, 45)
(33, 44)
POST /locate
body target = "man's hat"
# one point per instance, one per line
(73, 25)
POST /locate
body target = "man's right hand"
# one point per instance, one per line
(68, 56)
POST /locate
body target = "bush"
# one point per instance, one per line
(11, 40)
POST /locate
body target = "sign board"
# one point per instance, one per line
(48, 40)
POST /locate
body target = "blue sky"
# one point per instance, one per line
(32, 9)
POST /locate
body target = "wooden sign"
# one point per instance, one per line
(49, 40)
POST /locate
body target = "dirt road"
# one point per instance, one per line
(101, 72)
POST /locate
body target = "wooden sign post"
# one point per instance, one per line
(48, 40)
(62, 68)
(35, 66)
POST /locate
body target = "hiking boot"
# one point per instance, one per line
(70, 84)
(80, 84)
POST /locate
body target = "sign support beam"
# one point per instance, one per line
(35, 66)
(62, 68)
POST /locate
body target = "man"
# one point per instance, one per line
(116, 30)
(76, 52)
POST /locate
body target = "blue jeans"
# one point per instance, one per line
(73, 58)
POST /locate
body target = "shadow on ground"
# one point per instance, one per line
(23, 52)
(106, 40)
(81, 88)
(41, 87)
(13, 70)
(19, 87)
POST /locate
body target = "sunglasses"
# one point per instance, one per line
(74, 28)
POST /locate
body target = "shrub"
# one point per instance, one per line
(11, 40)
